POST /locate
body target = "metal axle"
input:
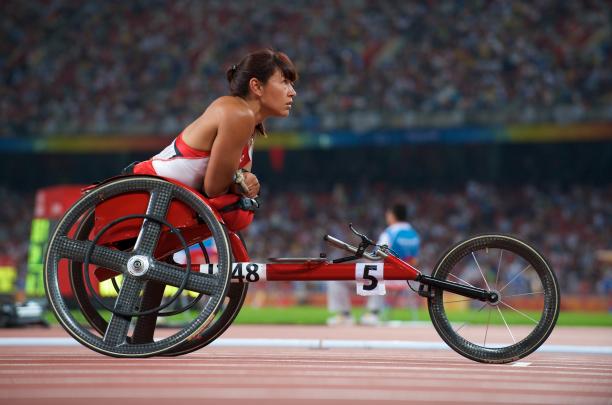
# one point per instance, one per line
(461, 289)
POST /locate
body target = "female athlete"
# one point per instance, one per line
(214, 153)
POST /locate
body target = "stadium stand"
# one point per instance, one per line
(151, 66)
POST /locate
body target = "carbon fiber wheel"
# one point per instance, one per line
(143, 274)
(514, 326)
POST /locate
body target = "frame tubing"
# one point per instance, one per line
(325, 271)
(461, 289)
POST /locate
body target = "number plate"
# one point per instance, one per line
(241, 272)
(370, 278)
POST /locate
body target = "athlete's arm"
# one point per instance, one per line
(235, 128)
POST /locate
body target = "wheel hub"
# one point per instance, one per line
(494, 297)
(138, 265)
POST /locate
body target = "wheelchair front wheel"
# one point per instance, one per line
(510, 328)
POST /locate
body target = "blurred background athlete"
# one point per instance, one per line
(404, 241)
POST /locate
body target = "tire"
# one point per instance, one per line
(525, 314)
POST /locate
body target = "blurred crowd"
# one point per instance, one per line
(569, 227)
(151, 66)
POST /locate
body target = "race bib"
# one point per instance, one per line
(241, 272)
(370, 278)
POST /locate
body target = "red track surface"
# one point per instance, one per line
(76, 375)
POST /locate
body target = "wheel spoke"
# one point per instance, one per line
(101, 256)
(506, 323)
(487, 329)
(127, 300)
(481, 273)
(173, 275)
(514, 278)
(498, 267)
(520, 312)
(460, 279)
(520, 295)
(159, 202)
(144, 328)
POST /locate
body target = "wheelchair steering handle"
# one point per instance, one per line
(350, 248)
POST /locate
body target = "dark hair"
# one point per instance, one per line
(399, 212)
(261, 66)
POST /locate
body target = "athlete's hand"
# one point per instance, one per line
(252, 183)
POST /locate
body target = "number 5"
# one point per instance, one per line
(367, 276)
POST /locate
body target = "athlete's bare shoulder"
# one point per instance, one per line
(232, 108)
(226, 111)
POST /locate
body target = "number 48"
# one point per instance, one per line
(251, 274)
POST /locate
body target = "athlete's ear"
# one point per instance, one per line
(256, 87)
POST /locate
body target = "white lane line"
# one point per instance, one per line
(38, 341)
(520, 364)
(575, 349)
(315, 344)
(330, 344)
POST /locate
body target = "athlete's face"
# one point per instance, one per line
(277, 95)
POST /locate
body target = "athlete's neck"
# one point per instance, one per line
(255, 106)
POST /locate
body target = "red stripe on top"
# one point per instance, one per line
(145, 167)
(188, 151)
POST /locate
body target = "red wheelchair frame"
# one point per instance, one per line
(117, 212)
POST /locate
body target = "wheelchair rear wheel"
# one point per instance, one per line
(129, 331)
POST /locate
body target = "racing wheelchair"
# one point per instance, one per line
(127, 230)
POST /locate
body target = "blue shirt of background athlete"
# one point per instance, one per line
(402, 239)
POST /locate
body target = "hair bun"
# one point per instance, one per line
(231, 72)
